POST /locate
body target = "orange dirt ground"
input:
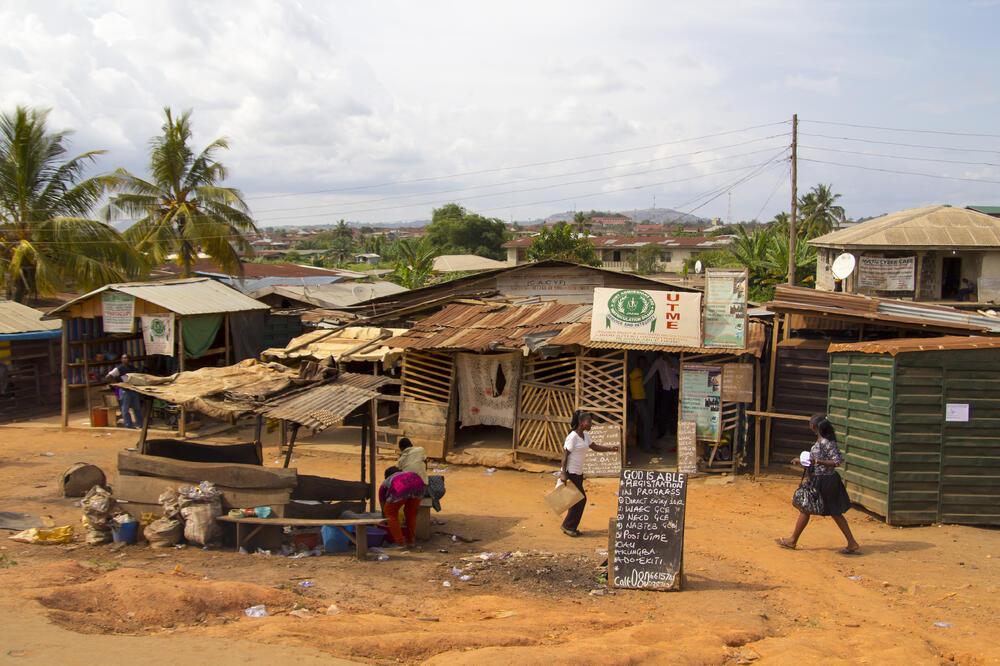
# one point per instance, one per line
(745, 601)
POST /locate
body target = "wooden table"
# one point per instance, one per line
(359, 537)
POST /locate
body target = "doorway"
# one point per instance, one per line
(652, 440)
(951, 277)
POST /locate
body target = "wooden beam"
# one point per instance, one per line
(232, 475)
(770, 389)
(758, 381)
(147, 412)
(778, 415)
(229, 342)
(372, 488)
(86, 382)
(182, 424)
(64, 361)
(291, 442)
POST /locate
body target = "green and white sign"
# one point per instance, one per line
(640, 316)
(701, 399)
(726, 308)
(158, 334)
(118, 311)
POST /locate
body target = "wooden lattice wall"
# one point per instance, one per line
(545, 405)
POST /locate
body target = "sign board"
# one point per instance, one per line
(601, 464)
(956, 412)
(687, 447)
(649, 530)
(701, 399)
(158, 334)
(737, 382)
(887, 273)
(638, 316)
(118, 311)
(574, 288)
(726, 308)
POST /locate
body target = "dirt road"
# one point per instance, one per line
(916, 595)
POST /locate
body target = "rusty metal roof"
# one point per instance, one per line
(17, 318)
(354, 343)
(883, 311)
(501, 326)
(327, 405)
(909, 345)
(932, 227)
(182, 297)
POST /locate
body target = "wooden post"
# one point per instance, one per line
(182, 426)
(372, 488)
(229, 344)
(86, 381)
(291, 440)
(64, 362)
(792, 238)
(758, 384)
(364, 452)
(770, 390)
(258, 432)
(147, 413)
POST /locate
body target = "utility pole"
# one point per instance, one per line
(795, 202)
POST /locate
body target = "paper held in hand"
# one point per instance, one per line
(563, 497)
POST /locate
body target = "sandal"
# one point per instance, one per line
(572, 533)
(850, 551)
(785, 543)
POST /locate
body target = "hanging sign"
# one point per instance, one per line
(649, 530)
(726, 307)
(604, 463)
(118, 311)
(638, 316)
(701, 399)
(886, 273)
(158, 334)
(737, 382)
(687, 447)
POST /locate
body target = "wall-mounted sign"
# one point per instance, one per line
(955, 412)
(701, 399)
(118, 311)
(158, 333)
(638, 316)
(726, 307)
(737, 382)
(887, 273)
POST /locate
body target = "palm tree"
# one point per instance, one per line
(47, 239)
(820, 212)
(183, 208)
(414, 263)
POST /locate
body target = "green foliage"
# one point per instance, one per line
(764, 252)
(820, 213)
(183, 208)
(454, 230)
(647, 258)
(47, 238)
(414, 263)
(342, 242)
(563, 243)
(712, 259)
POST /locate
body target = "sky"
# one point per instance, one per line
(376, 112)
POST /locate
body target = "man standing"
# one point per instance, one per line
(640, 408)
(128, 400)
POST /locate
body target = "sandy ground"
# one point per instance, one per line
(745, 600)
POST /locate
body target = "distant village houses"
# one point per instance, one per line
(622, 252)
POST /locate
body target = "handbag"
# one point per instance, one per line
(563, 497)
(806, 497)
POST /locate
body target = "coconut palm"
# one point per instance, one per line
(47, 239)
(183, 208)
(414, 263)
(820, 212)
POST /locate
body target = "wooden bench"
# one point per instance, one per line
(359, 537)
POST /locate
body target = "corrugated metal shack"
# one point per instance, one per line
(920, 421)
(815, 319)
(29, 361)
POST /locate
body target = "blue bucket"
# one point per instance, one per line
(335, 541)
(126, 532)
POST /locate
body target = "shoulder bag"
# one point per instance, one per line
(806, 497)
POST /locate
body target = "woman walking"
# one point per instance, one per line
(571, 471)
(824, 457)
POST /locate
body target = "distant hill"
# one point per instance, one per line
(654, 215)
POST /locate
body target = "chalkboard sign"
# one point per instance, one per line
(687, 447)
(599, 464)
(649, 530)
(737, 382)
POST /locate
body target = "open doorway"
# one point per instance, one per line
(951, 277)
(653, 404)
(487, 392)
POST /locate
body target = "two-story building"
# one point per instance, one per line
(622, 252)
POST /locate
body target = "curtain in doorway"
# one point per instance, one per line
(199, 333)
(487, 388)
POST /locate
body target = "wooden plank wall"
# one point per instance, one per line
(800, 387)
(426, 413)
(860, 408)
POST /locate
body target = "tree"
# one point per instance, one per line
(454, 230)
(342, 243)
(563, 243)
(820, 212)
(647, 258)
(582, 222)
(764, 252)
(47, 239)
(183, 208)
(414, 263)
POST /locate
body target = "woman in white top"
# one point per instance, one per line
(575, 450)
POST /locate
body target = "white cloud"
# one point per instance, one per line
(829, 85)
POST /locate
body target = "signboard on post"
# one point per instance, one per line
(118, 311)
(604, 464)
(639, 316)
(726, 308)
(887, 273)
(737, 382)
(687, 447)
(701, 399)
(648, 550)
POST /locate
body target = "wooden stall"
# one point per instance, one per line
(29, 361)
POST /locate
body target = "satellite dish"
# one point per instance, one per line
(360, 293)
(697, 266)
(843, 265)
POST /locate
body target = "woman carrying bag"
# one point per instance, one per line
(821, 492)
(574, 451)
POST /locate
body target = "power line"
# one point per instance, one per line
(904, 173)
(777, 184)
(518, 166)
(898, 129)
(737, 183)
(906, 145)
(531, 179)
(901, 157)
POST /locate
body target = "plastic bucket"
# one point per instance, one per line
(125, 532)
(335, 541)
(99, 417)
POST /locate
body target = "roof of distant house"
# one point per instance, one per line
(931, 227)
(253, 270)
(19, 322)
(616, 242)
(986, 210)
(192, 296)
(456, 263)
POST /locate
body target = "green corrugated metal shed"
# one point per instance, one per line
(904, 458)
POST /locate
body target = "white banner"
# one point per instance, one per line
(638, 316)
(487, 388)
(886, 274)
(118, 311)
(158, 334)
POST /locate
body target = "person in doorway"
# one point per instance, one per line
(824, 457)
(412, 459)
(575, 449)
(640, 407)
(128, 401)
(401, 491)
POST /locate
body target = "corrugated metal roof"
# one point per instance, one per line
(17, 318)
(909, 345)
(354, 343)
(884, 311)
(453, 263)
(943, 227)
(183, 297)
(327, 405)
(339, 295)
(579, 334)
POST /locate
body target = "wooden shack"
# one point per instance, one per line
(29, 361)
(918, 420)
